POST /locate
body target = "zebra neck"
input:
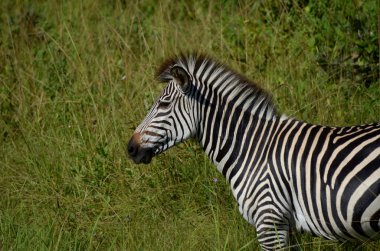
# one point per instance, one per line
(229, 134)
(229, 109)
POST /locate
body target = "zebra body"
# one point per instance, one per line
(283, 173)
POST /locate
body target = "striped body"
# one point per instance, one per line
(283, 173)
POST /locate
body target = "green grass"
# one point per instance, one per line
(76, 77)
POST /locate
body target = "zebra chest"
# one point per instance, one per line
(254, 206)
(253, 202)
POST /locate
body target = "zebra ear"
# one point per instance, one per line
(180, 76)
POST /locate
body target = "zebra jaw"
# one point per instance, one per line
(137, 153)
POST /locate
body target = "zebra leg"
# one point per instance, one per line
(272, 236)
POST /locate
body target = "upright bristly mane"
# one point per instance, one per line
(195, 63)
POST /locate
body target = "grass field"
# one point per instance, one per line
(76, 77)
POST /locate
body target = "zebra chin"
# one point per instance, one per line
(137, 153)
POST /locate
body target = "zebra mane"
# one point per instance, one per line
(192, 62)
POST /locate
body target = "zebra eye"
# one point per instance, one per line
(163, 104)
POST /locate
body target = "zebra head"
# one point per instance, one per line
(169, 121)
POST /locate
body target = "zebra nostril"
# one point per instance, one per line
(132, 148)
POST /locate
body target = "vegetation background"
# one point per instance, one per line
(76, 77)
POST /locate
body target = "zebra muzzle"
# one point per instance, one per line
(137, 153)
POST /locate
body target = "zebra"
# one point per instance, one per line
(285, 174)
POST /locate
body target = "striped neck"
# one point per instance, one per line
(226, 99)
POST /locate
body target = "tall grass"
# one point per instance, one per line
(76, 77)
